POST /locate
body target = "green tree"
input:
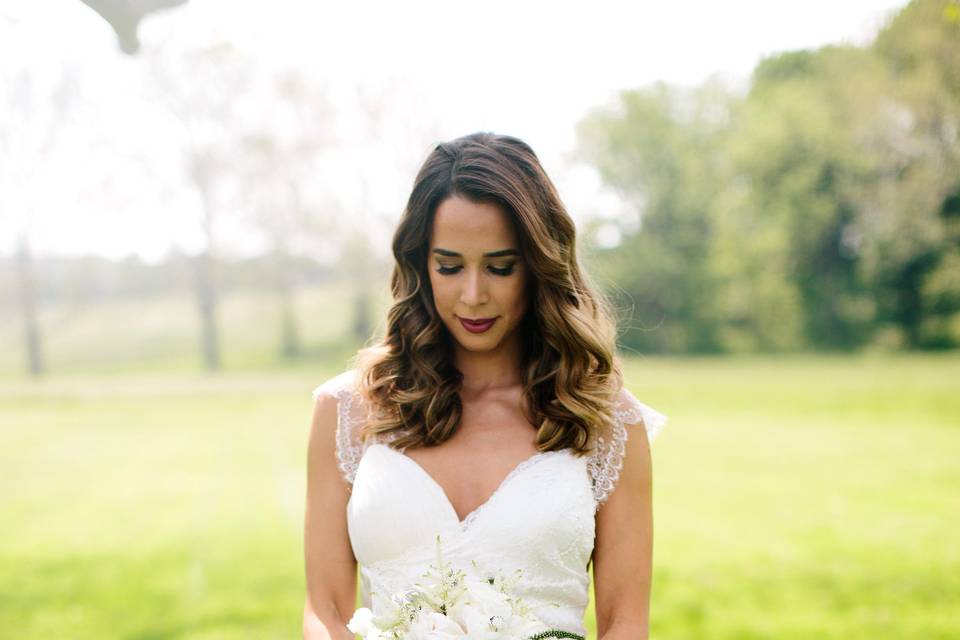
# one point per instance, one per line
(820, 209)
(912, 253)
(791, 202)
(659, 148)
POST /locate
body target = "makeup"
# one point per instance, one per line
(477, 327)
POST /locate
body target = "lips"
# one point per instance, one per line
(478, 325)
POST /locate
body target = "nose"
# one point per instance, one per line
(474, 292)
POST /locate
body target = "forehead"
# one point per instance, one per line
(471, 228)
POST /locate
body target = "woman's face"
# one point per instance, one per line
(477, 272)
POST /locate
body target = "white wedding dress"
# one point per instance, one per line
(540, 519)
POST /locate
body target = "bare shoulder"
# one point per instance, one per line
(329, 561)
(632, 478)
(628, 503)
(624, 533)
(323, 425)
(325, 483)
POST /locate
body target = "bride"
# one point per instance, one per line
(492, 416)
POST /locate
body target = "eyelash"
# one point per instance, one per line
(500, 272)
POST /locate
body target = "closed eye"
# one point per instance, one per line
(500, 271)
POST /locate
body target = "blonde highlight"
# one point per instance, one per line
(570, 369)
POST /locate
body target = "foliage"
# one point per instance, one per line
(820, 208)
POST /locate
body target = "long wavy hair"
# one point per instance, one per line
(570, 370)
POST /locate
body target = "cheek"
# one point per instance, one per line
(441, 294)
(517, 296)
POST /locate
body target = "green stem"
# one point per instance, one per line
(555, 633)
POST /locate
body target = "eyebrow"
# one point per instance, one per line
(493, 254)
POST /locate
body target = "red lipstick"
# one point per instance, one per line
(478, 325)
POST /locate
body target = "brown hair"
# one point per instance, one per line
(570, 369)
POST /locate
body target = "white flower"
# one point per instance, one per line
(394, 610)
(481, 604)
(488, 612)
(450, 604)
(433, 625)
(362, 623)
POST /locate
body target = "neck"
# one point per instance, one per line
(489, 370)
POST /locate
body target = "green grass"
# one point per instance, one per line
(795, 497)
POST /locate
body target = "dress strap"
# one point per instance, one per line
(351, 414)
(606, 461)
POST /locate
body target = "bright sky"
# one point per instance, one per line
(109, 181)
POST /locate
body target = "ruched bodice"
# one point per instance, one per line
(540, 519)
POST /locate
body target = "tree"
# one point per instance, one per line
(912, 252)
(822, 209)
(35, 111)
(205, 90)
(796, 156)
(276, 190)
(660, 148)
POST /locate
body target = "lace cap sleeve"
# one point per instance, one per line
(607, 460)
(351, 413)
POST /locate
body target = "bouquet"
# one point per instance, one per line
(451, 604)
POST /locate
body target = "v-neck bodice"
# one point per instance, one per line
(445, 497)
(540, 519)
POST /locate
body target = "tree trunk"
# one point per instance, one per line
(206, 288)
(290, 346)
(28, 308)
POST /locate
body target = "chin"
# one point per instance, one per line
(465, 339)
(477, 338)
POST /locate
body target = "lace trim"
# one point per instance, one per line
(350, 416)
(607, 461)
(604, 465)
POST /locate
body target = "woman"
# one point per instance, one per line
(491, 415)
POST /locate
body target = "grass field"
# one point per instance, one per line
(795, 498)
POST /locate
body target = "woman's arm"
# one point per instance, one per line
(331, 569)
(623, 550)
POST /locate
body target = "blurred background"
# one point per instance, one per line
(197, 199)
